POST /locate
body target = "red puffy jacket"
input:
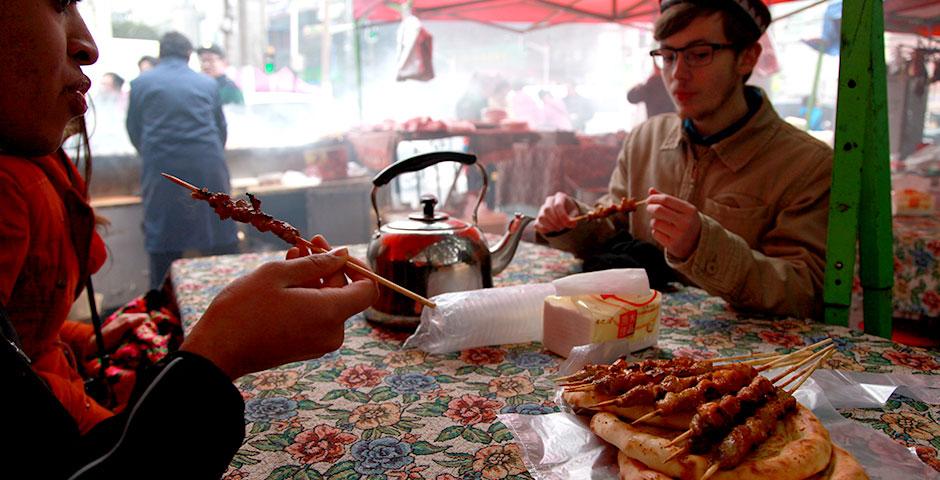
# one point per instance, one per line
(48, 246)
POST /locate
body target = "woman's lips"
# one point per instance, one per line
(77, 103)
(683, 97)
(76, 95)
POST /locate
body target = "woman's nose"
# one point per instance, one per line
(81, 46)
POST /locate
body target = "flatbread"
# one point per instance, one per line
(798, 448)
(842, 466)
(631, 469)
(580, 401)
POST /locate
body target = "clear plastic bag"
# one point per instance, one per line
(560, 442)
(476, 318)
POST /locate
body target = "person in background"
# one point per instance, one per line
(737, 199)
(471, 104)
(187, 408)
(654, 94)
(579, 108)
(554, 113)
(212, 62)
(521, 106)
(815, 121)
(176, 123)
(111, 91)
(146, 63)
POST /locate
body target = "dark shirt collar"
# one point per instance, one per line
(754, 98)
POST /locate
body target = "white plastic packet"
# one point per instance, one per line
(496, 316)
(476, 318)
(559, 445)
(614, 281)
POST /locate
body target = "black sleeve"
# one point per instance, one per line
(185, 420)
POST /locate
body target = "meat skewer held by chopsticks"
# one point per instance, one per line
(250, 212)
(626, 205)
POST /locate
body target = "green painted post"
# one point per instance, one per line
(851, 119)
(876, 242)
(860, 209)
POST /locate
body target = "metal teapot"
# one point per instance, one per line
(431, 253)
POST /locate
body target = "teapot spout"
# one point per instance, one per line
(503, 252)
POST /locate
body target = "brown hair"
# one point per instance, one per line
(82, 157)
(738, 27)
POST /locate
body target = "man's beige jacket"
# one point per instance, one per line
(763, 198)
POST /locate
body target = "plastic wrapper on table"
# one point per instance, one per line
(477, 318)
(560, 445)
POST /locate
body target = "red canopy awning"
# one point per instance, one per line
(913, 16)
(526, 14)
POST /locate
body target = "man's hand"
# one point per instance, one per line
(283, 312)
(556, 214)
(674, 223)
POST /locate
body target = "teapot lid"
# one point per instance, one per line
(427, 220)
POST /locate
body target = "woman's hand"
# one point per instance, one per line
(283, 312)
(114, 331)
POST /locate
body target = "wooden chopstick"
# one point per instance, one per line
(352, 265)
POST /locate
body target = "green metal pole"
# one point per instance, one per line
(851, 118)
(860, 200)
(876, 242)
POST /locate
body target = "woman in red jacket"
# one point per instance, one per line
(48, 247)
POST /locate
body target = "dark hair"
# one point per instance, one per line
(738, 27)
(175, 44)
(116, 79)
(147, 58)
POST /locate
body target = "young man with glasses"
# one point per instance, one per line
(737, 198)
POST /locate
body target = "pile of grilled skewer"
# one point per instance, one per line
(735, 407)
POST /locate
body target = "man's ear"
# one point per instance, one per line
(747, 59)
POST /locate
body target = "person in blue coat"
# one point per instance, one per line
(176, 123)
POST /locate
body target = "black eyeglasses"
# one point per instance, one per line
(698, 55)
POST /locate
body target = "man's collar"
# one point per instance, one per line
(737, 149)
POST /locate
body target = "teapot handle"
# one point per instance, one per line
(420, 162)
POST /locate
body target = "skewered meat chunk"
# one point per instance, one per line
(625, 205)
(744, 437)
(248, 212)
(714, 419)
(729, 378)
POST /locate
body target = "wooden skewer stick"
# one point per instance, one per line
(809, 373)
(792, 369)
(573, 379)
(789, 359)
(711, 471)
(753, 356)
(587, 387)
(680, 438)
(792, 354)
(581, 218)
(646, 417)
(675, 454)
(352, 265)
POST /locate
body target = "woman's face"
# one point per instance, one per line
(44, 44)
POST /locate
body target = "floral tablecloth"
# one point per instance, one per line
(917, 266)
(373, 411)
